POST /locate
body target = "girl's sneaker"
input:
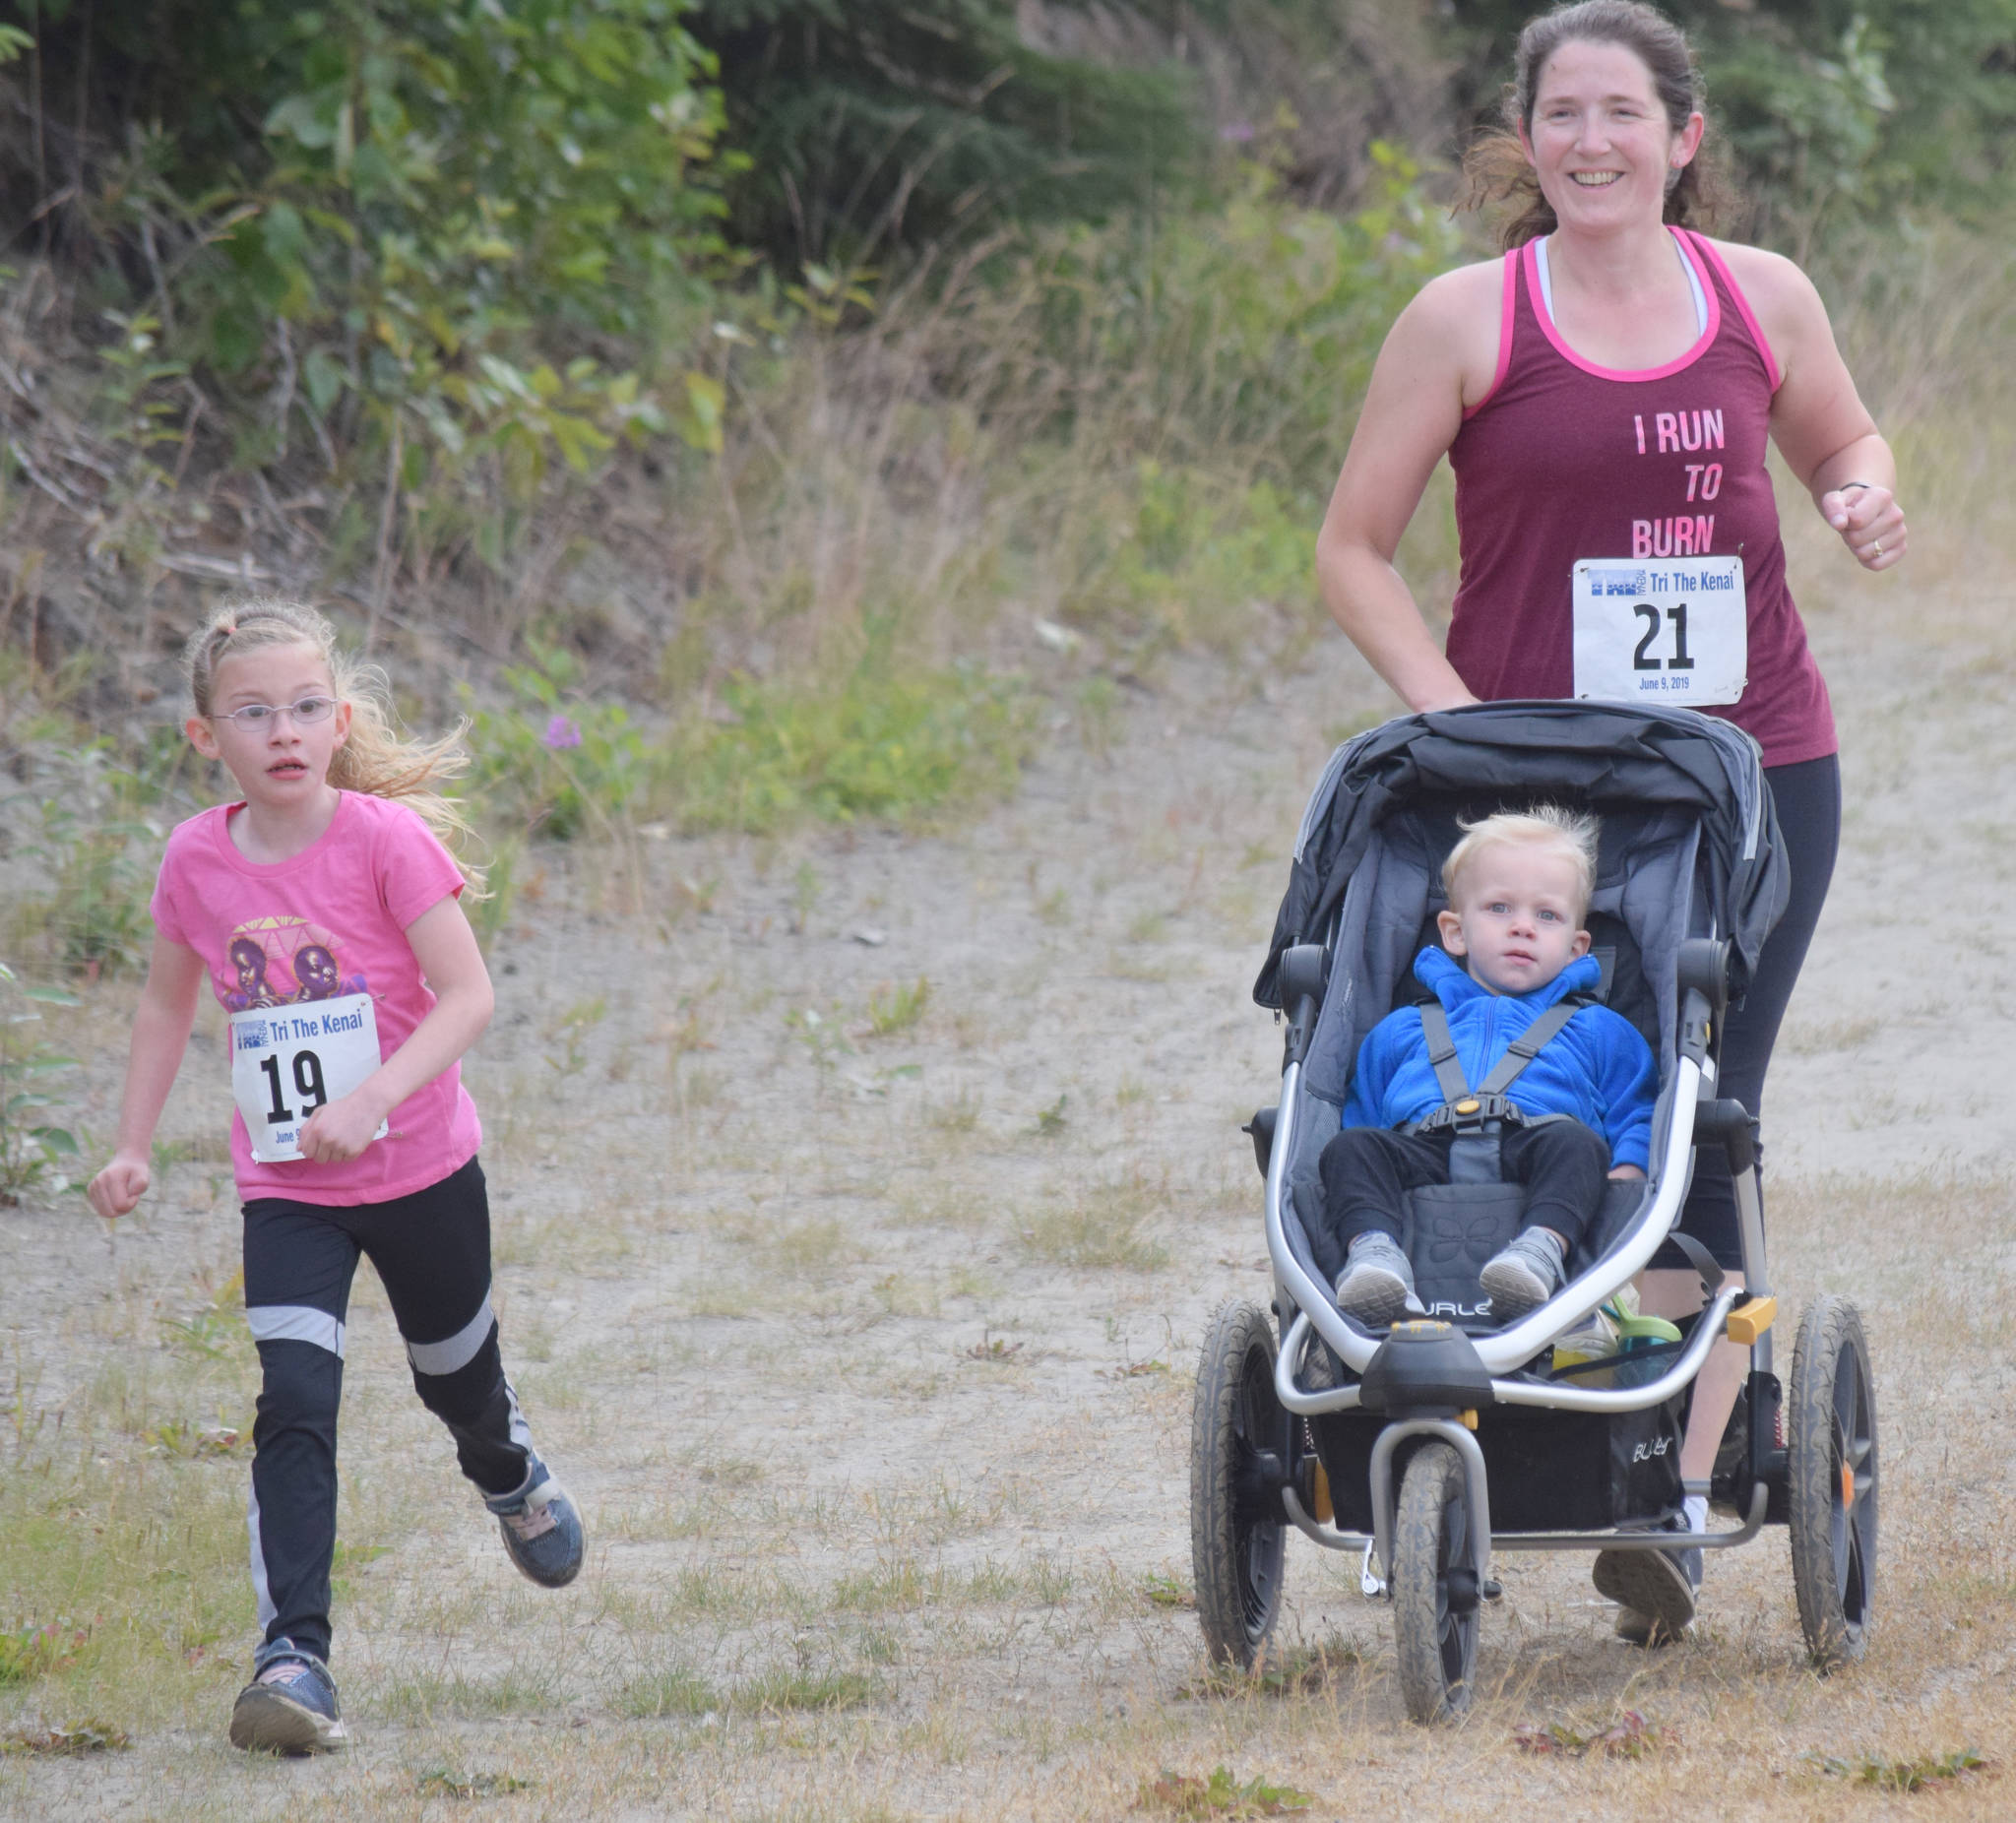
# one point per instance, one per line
(1376, 1284)
(542, 1528)
(290, 1706)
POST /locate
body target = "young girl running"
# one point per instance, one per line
(323, 910)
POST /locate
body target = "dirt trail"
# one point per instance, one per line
(869, 1354)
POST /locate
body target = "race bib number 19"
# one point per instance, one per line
(288, 1060)
(1661, 631)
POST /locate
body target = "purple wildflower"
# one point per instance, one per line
(561, 731)
(1236, 132)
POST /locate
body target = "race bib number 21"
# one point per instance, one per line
(1661, 631)
(287, 1061)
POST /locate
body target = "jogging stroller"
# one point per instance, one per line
(1428, 1445)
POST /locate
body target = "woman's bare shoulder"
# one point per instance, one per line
(1453, 323)
(1785, 301)
(1769, 280)
(1463, 294)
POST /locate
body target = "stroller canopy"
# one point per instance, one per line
(1509, 755)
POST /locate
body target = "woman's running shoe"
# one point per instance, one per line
(1654, 1589)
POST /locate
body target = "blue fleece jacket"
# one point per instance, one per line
(1597, 1067)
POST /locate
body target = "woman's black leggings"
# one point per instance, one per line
(1807, 797)
(432, 1252)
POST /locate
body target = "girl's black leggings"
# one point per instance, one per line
(432, 1252)
(1807, 797)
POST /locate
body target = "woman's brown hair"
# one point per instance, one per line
(1496, 165)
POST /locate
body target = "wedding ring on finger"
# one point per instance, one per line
(1877, 547)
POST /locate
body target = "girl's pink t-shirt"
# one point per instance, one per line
(331, 920)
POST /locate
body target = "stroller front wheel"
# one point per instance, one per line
(1833, 1471)
(1434, 1586)
(1239, 1535)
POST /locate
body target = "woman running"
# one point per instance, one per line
(328, 889)
(1605, 394)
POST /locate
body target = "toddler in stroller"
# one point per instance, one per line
(1566, 1084)
(1430, 1444)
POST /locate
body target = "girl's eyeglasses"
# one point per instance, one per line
(256, 718)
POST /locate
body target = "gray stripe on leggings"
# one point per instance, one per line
(295, 1323)
(461, 1347)
(262, 1590)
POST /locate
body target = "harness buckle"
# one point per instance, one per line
(1473, 1113)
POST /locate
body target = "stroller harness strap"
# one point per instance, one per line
(1472, 1110)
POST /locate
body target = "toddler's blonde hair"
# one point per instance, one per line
(376, 757)
(1570, 833)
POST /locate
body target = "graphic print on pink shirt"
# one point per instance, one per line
(283, 961)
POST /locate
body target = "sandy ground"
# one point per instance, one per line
(869, 1356)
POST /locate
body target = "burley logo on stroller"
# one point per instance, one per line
(1432, 1445)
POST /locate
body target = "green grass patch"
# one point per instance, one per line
(1916, 1773)
(1219, 1794)
(894, 1008)
(679, 1691)
(880, 748)
(674, 1692)
(805, 1689)
(126, 1575)
(1098, 1225)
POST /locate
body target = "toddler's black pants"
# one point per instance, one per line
(432, 1253)
(1367, 1170)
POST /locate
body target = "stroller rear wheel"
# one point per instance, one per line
(1238, 1439)
(1434, 1587)
(1832, 1434)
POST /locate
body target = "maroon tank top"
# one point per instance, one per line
(1563, 460)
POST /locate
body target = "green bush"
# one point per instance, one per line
(1246, 326)
(448, 177)
(553, 765)
(35, 1156)
(879, 123)
(99, 847)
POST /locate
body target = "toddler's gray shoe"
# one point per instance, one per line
(290, 1706)
(1376, 1284)
(542, 1528)
(1521, 1275)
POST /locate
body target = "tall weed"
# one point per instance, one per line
(94, 846)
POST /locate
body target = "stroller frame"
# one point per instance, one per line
(1510, 1347)
(1256, 1468)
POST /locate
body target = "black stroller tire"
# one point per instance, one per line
(1434, 1587)
(1832, 1473)
(1238, 1537)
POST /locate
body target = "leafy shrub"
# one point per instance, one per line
(34, 1154)
(904, 120)
(555, 764)
(99, 849)
(1196, 553)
